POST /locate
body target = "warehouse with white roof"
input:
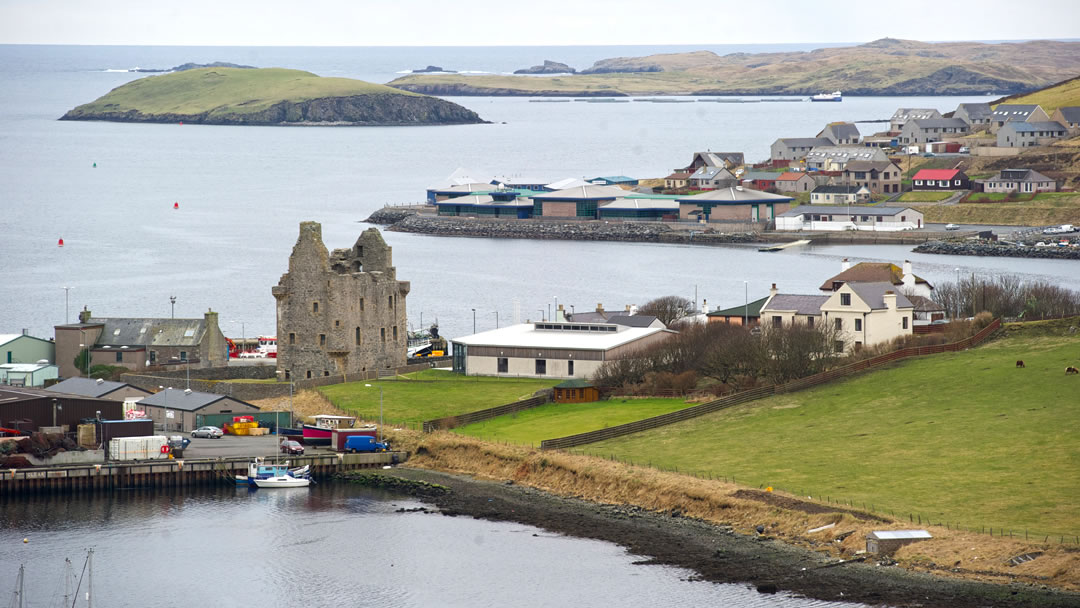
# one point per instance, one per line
(550, 349)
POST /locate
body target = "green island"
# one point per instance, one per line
(267, 96)
(883, 67)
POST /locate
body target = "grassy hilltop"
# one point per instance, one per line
(882, 67)
(266, 96)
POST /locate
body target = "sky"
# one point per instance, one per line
(526, 23)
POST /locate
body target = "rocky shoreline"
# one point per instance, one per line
(716, 552)
(986, 248)
(634, 232)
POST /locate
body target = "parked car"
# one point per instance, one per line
(209, 432)
(290, 446)
(964, 150)
(952, 226)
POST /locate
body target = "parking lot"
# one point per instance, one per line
(233, 446)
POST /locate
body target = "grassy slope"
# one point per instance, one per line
(445, 394)
(228, 90)
(560, 419)
(924, 196)
(965, 437)
(1046, 209)
(1059, 95)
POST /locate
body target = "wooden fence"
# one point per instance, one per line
(570, 441)
(451, 422)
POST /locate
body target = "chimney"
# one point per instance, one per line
(627, 308)
(890, 300)
(908, 279)
(84, 315)
(772, 290)
(844, 264)
(600, 307)
(25, 332)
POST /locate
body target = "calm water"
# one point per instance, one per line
(330, 545)
(242, 192)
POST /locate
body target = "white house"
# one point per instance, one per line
(865, 314)
(829, 217)
(557, 349)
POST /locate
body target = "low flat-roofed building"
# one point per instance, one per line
(28, 374)
(486, 206)
(1018, 180)
(733, 204)
(29, 409)
(550, 349)
(177, 408)
(580, 202)
(640, 209)
(100, 389)
(828, 217)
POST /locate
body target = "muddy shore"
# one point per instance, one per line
(718, 554)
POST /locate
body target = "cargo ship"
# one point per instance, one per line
(834, 96)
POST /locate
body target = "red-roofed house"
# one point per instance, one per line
(940, 179)
(795, 181)
(676, 180)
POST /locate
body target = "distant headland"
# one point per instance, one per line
(883, 67)
(267, 96)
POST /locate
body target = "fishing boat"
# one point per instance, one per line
(319, 433)
(259, 470)
(283, 481)
(834, 96)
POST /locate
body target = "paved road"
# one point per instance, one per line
(233, 446)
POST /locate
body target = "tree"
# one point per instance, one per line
(667, 308)
(82, 360)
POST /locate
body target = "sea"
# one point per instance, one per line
(109, 191)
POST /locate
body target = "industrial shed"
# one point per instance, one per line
(29, 409)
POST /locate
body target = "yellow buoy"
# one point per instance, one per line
(26, 540)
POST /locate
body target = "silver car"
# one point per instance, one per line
(210, 432)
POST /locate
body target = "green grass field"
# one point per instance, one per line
(560, 419)
(924, 197)
(961, 437)
(1047, 208)
(442, 393)
(232, 90)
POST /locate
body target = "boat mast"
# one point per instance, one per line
(90, 578)
(69, 577)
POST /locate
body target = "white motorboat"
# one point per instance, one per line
(283, 481)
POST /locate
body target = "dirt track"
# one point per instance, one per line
(717, 554)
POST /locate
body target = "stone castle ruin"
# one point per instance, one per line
(339, 313)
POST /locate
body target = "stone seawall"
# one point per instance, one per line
(639, 232)
(999, 249)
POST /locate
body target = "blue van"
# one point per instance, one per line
(364, 443)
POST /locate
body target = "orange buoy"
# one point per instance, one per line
(181, 122)
(176, 205)
(60, 243)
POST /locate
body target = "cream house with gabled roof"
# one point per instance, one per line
(865, 314)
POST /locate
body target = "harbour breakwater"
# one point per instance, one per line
(990, 248)
(638, 232)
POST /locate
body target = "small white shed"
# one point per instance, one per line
(888, 541)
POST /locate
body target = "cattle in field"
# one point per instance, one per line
(1071, 370)
(1019, 363)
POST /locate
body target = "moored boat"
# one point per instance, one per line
(834, 96)
(319, 433)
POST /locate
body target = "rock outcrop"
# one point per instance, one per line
(433, 68)
(194, 66)
(549, 67)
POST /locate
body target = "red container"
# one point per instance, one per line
(338, 436)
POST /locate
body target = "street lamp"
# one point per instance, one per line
(172, 301)
(496, 319)
(378, 431)
(474, 320)
(746, 303)
(67, 315)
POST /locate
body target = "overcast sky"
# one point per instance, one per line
(538, 22)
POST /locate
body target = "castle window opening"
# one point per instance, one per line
(314, 307)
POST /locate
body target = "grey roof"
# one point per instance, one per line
(848, 152)
(151, 332)
(836, 190)
(632, 320)
(867, 165)
(830, 209)
(712, 173)
(484, 200)
(938, 123)
(804, 142)
(1071, 113)
(1026, 127)
(755, 175)
(1012, 111)
(842, 130)
(588, 317)
(873, 294)
(589, 192)
(898, 534)
(177, 399)
(1019, 175)
(913, 113)
(88, 387)
(735, 194)
(925, 304)
(976, 111)
(801, 304)
(718, 159)
(642, 203)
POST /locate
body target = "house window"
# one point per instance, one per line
(905, 322)
(776, 321)
(570, 369)
(845, 300)
(337, 323)
(358, 336)
(119, 356)
(183, 355)
(810, 322)
(838, 346)
(395, 333)
(292, 338)
(541, 367)
(153, 356)
(838, 324)
(918, 182)
(322, 339)
(858, 324)
(903, 218)
(878, 218)
(956, 182)
(502, 365)
(382, 333)
(315, 307)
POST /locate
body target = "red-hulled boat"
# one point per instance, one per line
(319, 433)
